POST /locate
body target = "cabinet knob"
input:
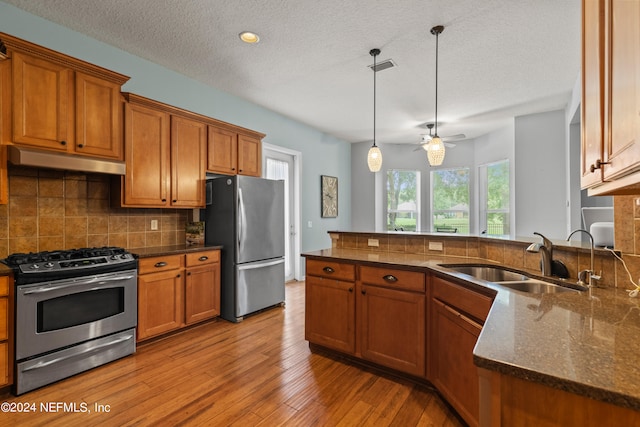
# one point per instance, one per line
(178, 275)
(233, 169)
(174, 200)
(350, 289)
(328, 270)
(80, 145)
(203, 258)
(63, 142)
(239, 170)
(390, 278)
(597, 165)
(160, 264)
(189, 273)
(164, 200)
(363, 292)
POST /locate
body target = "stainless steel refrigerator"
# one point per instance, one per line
(246, 216)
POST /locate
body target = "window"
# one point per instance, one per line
(495, 198)
(450, 200)
(403, 200)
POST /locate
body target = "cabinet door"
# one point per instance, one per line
(623, 90)
(160, 303)
(4, 364)
(249, 155)
(222, 151)
(43, 107)
(202, 293)
(453, 337)
(98, 117)
(330, 313)
(592, 136)
(392, 326)
(147, 157)
(188, 148)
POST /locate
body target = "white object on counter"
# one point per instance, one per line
(602, 233)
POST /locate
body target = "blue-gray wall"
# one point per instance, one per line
(322, 154)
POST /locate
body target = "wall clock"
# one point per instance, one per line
(329, 189)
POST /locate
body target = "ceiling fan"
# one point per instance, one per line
(426, 138)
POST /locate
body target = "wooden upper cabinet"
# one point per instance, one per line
(98, 117)
(188, 151)
(611, 71)
(230, 152)
(222, 151)
(249, 155)
(146, 182)
(61, 103)
(42, 103)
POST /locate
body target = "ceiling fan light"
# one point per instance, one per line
(435, 151)
(374, 159)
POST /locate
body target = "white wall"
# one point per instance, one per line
(540, 174)
(321, 153)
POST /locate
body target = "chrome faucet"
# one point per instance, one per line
(590, 274)
(546, 252)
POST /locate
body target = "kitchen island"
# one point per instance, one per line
(565, 358)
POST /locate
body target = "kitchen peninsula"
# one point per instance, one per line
(566, 358)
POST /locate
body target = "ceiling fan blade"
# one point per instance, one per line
(449, 144)
(457, 136)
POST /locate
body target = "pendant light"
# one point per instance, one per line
(374, 158)
(435, 147)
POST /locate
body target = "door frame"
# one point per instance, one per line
(297, 175)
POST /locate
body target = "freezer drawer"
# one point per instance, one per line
(258, 285)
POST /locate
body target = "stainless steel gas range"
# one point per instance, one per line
(75, 310)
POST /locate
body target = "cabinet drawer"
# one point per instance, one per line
(204, 257)
(4, 318)
(466, 300)
(155, 264)
(402, 279)
(333, 270)
(4, 285)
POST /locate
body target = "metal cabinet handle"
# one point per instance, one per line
(160, 264)
(390, 278)
(598, 164)
(328, 270)
(203, 258)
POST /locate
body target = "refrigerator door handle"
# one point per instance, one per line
(260, 264)
(242, 218)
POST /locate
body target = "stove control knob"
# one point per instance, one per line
(49, 265)
(124, 256)
(35, 266)
(114, 257)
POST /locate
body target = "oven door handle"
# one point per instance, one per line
(75, 284)
(41, 365)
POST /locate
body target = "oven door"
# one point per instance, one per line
(61, 313)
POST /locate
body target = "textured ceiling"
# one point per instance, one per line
(497, 58)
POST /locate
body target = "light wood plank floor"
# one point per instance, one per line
(259, 372)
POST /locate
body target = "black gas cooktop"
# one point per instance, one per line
(36, 267)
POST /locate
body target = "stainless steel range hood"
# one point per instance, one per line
(45, 159)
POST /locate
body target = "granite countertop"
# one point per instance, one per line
(581, 342)
(171, 250)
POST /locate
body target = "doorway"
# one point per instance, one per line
(282, 163)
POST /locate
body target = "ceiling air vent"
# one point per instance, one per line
(383, 65)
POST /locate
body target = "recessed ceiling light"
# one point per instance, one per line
(249, 37)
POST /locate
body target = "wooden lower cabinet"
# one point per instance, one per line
(391, 318)
(171, 297)
(6, 330)
(202, 286)
(457, 315)
(378, 320)
(330, 314)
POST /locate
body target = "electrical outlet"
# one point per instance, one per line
(309, 224)
(435, 246)
(373, 242)
(154, 224)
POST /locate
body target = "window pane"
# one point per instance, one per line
(450, 200)
(497, 198)
(403, 200)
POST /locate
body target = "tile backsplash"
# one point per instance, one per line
(50, 209)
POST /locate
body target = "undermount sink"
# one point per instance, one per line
(488, 273)
(509, 279)
(533, 286)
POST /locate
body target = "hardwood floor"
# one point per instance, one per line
(259, 372)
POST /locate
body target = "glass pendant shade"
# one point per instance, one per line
(374, 158)
(435, 151)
